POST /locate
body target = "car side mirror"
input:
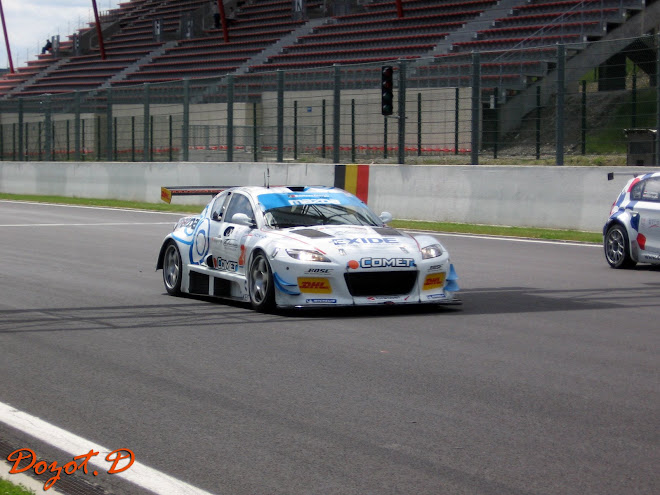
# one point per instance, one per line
(242, 219)
(386, 217)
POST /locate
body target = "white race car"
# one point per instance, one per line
(631, 234)
(301, 247)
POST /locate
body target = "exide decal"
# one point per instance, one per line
(386, 262)
(365, 240)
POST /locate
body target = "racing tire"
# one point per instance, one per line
(261, 285)
(617, 247)
(172, 269)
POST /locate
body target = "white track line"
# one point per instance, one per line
(138, 473)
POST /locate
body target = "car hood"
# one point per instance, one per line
(357, 240)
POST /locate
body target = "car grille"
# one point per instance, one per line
(380, 283)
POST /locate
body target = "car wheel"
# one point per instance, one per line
(260, 283)
(172, 269)
(617, 247)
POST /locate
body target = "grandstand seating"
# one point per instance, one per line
(519, 47)
(254, 28)
(428, 28)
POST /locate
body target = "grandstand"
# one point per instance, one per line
(167, 41)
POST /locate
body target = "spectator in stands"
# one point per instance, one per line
(231, 17)
(216, 14)
(47, 47)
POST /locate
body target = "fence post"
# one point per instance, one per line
(353, 130)
(538, 122)
(402, 113)
(657, 99)
(419, 124)
(185, 131)
(255, 138)
(280, 115)
(583, 133)
(561, 84)
(108, 132)
(145, 125)
(336, 116)
(295, 130)
(323, 131)
(48, 125)
(21, 148)
(76, 127)
(633, 119)
(476, 106)
(457, 108)
(230, 118)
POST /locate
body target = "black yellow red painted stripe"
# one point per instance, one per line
(354, 179)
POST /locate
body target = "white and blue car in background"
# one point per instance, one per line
(632, 232)
(301, 247)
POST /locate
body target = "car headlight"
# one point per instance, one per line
(432, 251)
(306, 255)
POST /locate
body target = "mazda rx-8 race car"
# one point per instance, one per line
(301, 247)
(631, 234)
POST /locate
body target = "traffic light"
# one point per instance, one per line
(387, 89)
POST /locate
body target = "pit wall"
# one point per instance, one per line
(528, 196)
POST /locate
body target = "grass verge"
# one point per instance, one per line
(8, 488)
(532, 233)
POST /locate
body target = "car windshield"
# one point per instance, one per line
(320, 214)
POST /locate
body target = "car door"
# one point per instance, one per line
(648, 209)
(237, 222)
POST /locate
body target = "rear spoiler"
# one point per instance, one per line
(166, 192)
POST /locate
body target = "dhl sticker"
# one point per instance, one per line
(165, 194)
(314, 285)
(434, 281)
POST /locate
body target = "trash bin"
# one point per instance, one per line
(641, 147)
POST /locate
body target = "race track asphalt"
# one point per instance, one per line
(545, 381)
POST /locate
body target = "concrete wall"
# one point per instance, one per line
(552, 197)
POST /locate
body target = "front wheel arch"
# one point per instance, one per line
(260, 282)
(617, 246)
(172, 265)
